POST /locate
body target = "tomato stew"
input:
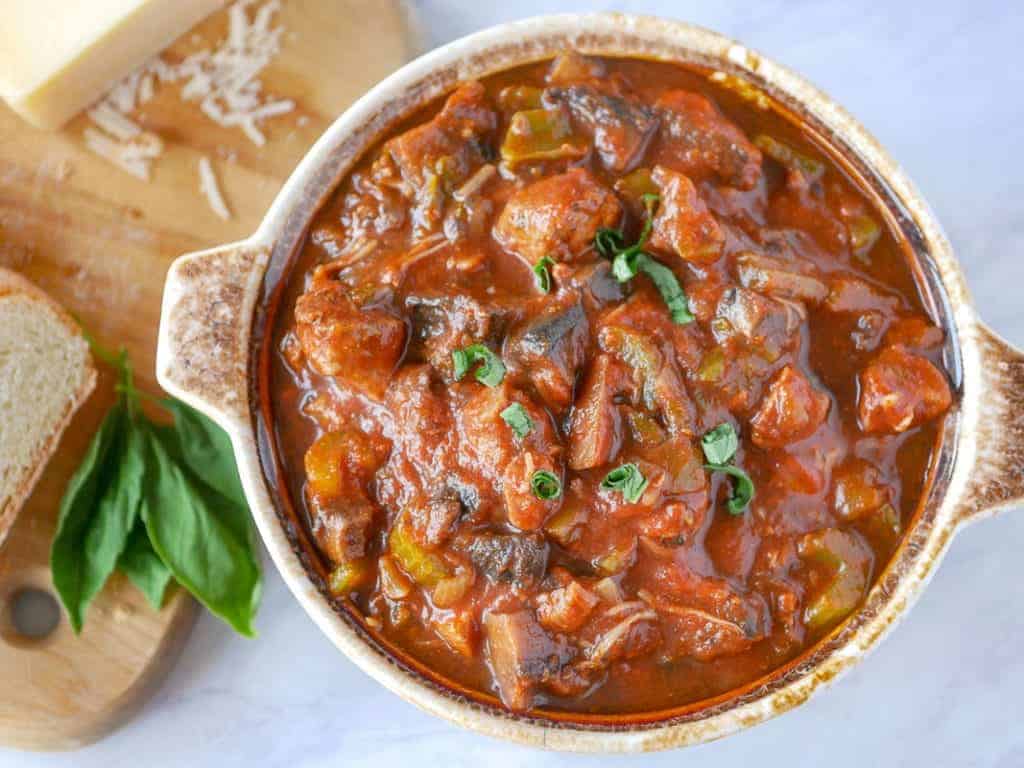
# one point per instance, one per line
(603, 389)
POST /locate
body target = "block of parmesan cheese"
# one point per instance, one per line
(59, 56)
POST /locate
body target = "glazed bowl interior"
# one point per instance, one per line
(429, 78)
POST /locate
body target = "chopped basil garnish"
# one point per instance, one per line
(668, 286)
(742, 489)
(609, 242)
(545, 485)
(628, 262)
(491, 370)
(541, 275)
(628, 479)
(720, 446)
(518, 419)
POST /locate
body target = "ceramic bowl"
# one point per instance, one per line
(212, 333)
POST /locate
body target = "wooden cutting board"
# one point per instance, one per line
(100, 242)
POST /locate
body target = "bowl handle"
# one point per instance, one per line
(996, 479)
(205, 326)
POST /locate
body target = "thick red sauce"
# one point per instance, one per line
(544, 526)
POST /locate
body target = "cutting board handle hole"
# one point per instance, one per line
(28, 616)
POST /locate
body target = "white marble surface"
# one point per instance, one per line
(940, 83)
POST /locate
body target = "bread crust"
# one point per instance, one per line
(12, 283)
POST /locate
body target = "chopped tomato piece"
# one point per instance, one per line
(697, 139)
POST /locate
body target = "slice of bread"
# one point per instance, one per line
(46, 373)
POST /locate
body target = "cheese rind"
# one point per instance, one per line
(57, 57)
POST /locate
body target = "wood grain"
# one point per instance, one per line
(100, 242)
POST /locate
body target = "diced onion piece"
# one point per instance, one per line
(449, 591)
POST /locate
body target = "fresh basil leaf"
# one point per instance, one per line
(628, 479)
(491, 370)
(742, 489)
(542, 275)
(140, 563)
(97, 513)
(668, 286)
(627, 263)
(720, 444)
(206, 449)
(204, 537)
(518, 419)
(545, 485)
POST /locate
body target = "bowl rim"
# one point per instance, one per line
(507, 45)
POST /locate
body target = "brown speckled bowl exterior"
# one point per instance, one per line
(206, 349)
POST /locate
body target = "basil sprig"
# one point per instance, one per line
(629, 261)
(628, 479)
(720, 445)
(160, 503)
(491, 370)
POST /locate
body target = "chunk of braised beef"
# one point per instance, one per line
(437, 156)
(443, 322)
(618, 633)
(914, 333)
(523, 656)
(852, 294)
(899, 390)
(706, 617)
(566, 608)
(357, 346)
(619, 126)
(489, 447)
(767, 323)
(557, 216)
(700, 634)
(339, 466)
(683, 225)
(550, 346)
(431, 523)
(422, 424)
(675, 522)
(342, 529)
(512, 558)
(595, 426)
(658, 386)
(698, 140)
(792, 409)
(525, 509)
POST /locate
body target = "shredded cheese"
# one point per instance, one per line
(211, 189)
(224, 80)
